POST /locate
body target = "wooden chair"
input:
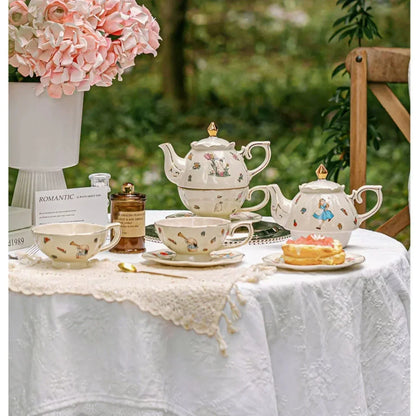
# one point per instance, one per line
(373, 68)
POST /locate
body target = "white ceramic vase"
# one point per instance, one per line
(44, 138)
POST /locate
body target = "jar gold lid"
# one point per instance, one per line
(127, 191)
(127, 188)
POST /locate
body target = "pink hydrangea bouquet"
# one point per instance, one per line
(72, 45)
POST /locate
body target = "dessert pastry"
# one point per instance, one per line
(313, 249)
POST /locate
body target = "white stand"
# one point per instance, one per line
(28, 182)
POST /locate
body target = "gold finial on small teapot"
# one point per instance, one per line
(321, 172)
(212, 129)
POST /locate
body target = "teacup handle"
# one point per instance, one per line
(116, 227)
(246, 152)
(239, 224)
(355, 196)
(262, 204)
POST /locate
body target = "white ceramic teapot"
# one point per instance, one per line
(213, 179)
(320, 207)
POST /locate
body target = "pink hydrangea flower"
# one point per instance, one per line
(138, 30)
(75, 44)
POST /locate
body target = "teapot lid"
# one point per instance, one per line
(212, 142)
(321, 185)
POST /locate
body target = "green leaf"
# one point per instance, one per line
(349, 33)
(347, 3)
(368, 32)
(343, 1)
(340, 30)
(343, 19)
(338, 69)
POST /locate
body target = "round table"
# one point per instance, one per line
(308, 343)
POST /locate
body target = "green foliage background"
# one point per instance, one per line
(262, 71)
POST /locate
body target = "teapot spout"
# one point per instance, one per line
(280, 206)
(174, 165)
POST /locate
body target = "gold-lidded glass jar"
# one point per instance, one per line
(127, 208)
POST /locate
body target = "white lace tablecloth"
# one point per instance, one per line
(308, 344)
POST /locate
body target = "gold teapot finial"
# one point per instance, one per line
(321, 172)
(212, 129)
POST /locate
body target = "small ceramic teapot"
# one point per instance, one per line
(320, 207)
(213, 179)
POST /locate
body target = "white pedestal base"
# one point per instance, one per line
(28, 182)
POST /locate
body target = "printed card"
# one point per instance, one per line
(72, 205)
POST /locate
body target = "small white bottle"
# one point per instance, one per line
(101, 180)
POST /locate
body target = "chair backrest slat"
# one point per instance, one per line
(383, 64)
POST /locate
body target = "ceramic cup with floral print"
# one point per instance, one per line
(196, 237)
(72, 244)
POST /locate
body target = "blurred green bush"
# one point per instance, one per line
(261, 71)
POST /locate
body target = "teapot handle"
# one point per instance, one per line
(355, 196)
(246, 152)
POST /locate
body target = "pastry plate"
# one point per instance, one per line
(265, 232)
(277, 260)
(217, 259)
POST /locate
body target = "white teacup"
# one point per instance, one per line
(196, 237)
(72, 244)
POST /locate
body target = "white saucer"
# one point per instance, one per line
(217, 259)
(246, 216)
(277, 260)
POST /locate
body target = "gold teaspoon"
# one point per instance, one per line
(131, 268)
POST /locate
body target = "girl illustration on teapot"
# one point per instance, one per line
(325, 215)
